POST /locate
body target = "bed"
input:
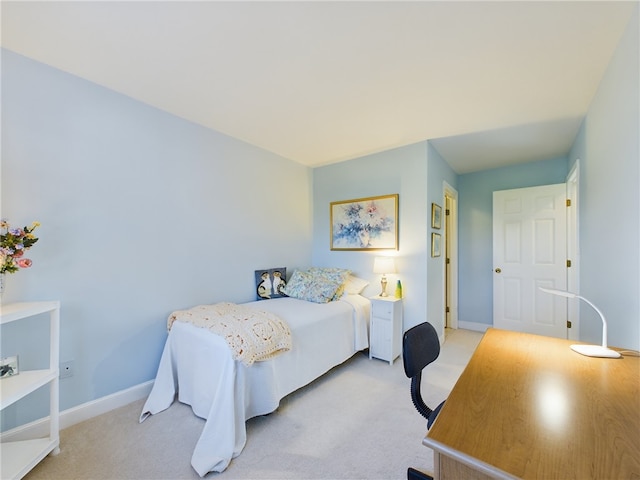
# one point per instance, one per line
(199, 367)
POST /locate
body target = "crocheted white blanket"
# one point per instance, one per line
(253, 335)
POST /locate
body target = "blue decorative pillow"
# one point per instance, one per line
(318, 285)
(270, 283)
(298, 285)
(330, 277)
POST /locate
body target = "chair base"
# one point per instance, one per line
(413, 474)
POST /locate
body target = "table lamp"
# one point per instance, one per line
(588, 350)
(384, 265)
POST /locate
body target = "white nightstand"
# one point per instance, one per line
(385, 341)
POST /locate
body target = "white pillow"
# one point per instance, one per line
(354, 285)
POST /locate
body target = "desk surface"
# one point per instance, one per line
(529, 407)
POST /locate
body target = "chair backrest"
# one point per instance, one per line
(420, 347)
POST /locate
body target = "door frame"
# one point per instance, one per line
(451, 252)
(573, 248)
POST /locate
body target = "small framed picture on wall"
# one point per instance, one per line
(436, 215)
(435, 244)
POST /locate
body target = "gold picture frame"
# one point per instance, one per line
(369, 223)
(436, 216)
(436, 244)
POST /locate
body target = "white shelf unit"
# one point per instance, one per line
(19, 457)
(385, 342)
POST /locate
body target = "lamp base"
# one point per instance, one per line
(383, 285)
(595, 351)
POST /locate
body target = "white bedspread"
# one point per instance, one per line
(199, 367)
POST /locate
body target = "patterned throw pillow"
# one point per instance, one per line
(331, 276)
(318, 285)
(298, 285)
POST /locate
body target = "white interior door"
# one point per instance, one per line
(529, 251)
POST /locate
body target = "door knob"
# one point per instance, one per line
(498, 270)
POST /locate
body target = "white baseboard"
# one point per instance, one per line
(80, 413)
(477, 327)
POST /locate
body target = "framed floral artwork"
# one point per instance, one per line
(365, 223)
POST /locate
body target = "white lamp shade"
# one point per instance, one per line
(384, 265)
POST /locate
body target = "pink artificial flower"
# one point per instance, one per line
(17, 253)
(24, 262)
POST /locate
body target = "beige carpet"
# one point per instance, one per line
(356, 422)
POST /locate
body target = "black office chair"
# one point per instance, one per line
(420, 347)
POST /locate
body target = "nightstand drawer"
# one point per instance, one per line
(382, 309)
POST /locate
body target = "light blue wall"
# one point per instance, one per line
(475, 208)
(402, 171)
(142, 213)
(608, 149)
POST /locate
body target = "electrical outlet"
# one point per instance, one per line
(66, 369)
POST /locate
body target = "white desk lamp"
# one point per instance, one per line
(588, 350)
(384, 265)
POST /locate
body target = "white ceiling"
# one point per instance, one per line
(494, 83)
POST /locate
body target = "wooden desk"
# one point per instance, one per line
(527, 406)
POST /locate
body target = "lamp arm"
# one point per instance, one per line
(604, 321)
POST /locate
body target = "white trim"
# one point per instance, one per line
(573, 248)
(475, 326)
(80, 413)
(451, 192)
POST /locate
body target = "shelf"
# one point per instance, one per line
(18, 458)
(17, 311)
(15, 387)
